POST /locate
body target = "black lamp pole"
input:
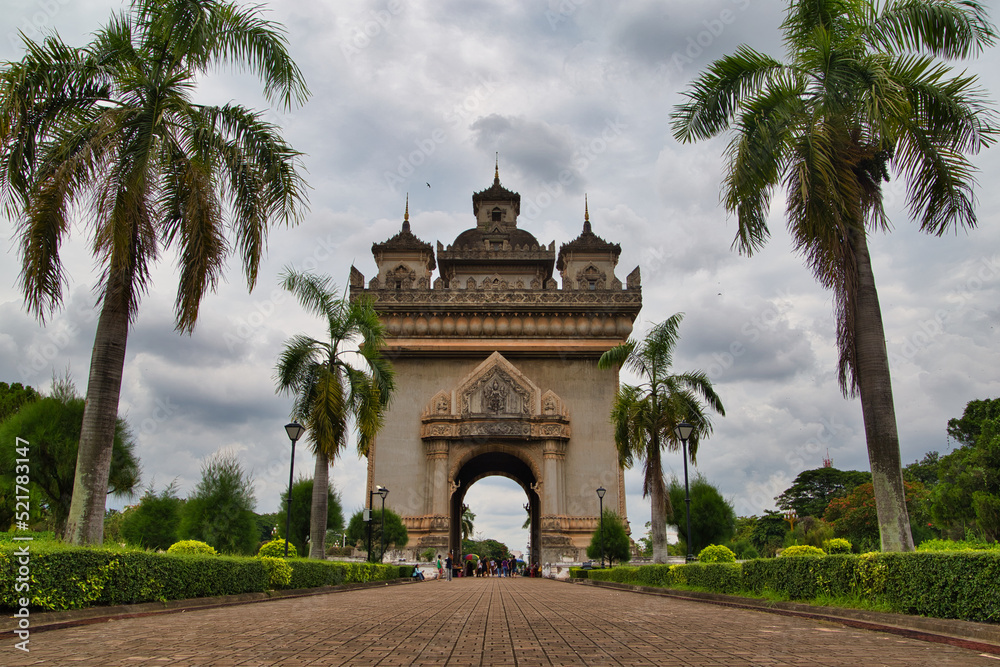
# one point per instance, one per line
(600, 496)
(383, 492)
(294, 431)
(683, 431)
(371, 502)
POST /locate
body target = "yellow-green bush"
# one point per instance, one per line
(279, 572)
(192, 547)
(276, 549)
(837, 545)
(802, 550)
(716, 553)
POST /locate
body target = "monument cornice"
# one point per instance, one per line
(458, 299)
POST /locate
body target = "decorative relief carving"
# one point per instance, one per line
(595, 300)
(498, 428)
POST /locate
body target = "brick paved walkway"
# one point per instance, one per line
(482, 622)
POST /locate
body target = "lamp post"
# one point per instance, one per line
(294, 431)
(600, 496)
(684, 431)
(383, 492)
(371, 502)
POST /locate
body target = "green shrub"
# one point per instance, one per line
(279, 572)
(802, 550)
(715, 553)
(578, 573)
(276, 549)
(837, 545)
(957, 545)
(744, 549)
(192, 547)
(716, 577)
(428, 555)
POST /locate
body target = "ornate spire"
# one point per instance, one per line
(496, 170)
(406, 215)
(586, 215)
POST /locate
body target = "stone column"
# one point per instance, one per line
(554, 456)
(437, 482)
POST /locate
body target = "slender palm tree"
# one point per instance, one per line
(860, 96)
(111, 128)
(468, 517)
(345, 379)
(644, 415)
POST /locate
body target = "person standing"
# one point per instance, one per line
(440, 568)
(448, 564)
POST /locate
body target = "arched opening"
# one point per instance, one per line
(489, 464)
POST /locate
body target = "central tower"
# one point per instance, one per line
(496, 369)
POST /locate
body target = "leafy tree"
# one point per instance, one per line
(267, 525)
(486, 548)
(330, 392)
(395, 531)
(155, 522)
(645, 415)
(967, 428)
(924, 471)
(302, 493)
(854, 516)
(713, 520)
(967, 495)
(616, 543)
(220, 512)
(812, 490)
(13, 396)
(860, 96)
(111, 127)
(51, 425)
(768, 532)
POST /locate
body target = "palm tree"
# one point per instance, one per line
(468, 516)
(860, 96)
(644, 415)
(112, 127)
(329, 391)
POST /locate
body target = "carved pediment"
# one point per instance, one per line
(495, 400)
(497, 388)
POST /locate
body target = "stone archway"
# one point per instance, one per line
(495, 461)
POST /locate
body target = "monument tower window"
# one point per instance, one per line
(497, 215)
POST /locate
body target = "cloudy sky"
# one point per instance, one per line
(407, 94)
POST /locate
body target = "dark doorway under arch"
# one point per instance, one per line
(489, 464)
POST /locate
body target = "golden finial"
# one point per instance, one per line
(496, 170)
(406, 214)
(586, 215)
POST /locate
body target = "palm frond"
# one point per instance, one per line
(944, 28)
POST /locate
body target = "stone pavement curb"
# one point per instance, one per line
(964, 634)
(55, 620)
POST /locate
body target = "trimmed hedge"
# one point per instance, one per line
(960, 585)
(66, 577)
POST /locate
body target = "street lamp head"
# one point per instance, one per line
(683, 431)
(294, 430)
(382, 491)
(601, 491)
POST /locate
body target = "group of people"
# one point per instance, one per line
(485, 567)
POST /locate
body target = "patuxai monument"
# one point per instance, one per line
(496, 362)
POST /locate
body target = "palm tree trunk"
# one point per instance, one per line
(318, 514)
(85, 524)
(657, 502)
(875, 388)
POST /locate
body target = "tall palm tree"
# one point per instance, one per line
(468, 517)
(111, 128)
(644, 415)
(345, 379)
(861, 95)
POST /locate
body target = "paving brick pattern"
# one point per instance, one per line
(481, 622)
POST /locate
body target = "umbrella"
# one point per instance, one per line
(471, 557)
